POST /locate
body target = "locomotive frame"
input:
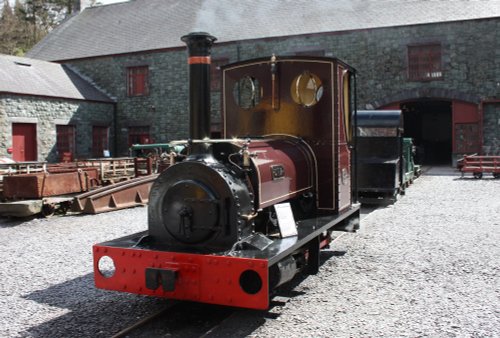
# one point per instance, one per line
(213, 234)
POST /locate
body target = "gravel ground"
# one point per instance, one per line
(47, 287)
(426, 266)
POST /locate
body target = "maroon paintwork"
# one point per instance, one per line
(277, 114)
(292, 164)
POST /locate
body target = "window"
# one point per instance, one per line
(306, 89)
(424, 62)
(247, 92)
(215, 73)
(137, 81)
(65, 142)
(100, 140)
(138, 135)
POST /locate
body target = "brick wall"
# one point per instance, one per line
(47, 113)
(470, 63)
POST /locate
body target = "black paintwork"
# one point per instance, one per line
(279, 249)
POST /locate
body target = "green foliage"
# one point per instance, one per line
(28, 22)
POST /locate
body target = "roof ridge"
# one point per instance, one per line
(89, 80)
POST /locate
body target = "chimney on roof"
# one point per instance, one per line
(80, 5)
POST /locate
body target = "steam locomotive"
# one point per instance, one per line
(236, 217)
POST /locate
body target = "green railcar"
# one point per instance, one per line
(410, 169)
(154, 157)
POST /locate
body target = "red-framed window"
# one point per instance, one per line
(137, 81)
(424, 62)
(216, 74)
(139, 135)
(100, 140)
(65, 142)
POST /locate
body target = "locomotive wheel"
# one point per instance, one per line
(478, 175)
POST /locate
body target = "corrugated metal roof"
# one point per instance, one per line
(41, 78)
(141, 25)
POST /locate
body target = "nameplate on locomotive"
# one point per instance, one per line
(277, 171)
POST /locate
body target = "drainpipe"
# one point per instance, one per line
(115, 130)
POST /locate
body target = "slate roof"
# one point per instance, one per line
(140, 25)
(41, 78)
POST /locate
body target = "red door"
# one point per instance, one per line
(24, 147)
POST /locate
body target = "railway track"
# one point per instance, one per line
(179, 319)
(141, 323)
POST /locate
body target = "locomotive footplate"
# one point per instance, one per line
(242, 278)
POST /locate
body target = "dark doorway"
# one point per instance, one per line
(428, 122)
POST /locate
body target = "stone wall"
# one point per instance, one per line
(165, 110)
(47, 113)
(491, 129)
(470, 62)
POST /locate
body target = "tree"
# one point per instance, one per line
(22, 30)
(29, 22)
(7, 12)
(8, 29)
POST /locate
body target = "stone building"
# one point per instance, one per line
(49, 113)
(438, 61)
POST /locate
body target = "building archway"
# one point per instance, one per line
(443, 129)
(429, 124)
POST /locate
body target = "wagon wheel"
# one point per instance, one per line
(64, 207)
(402, 191)
(478, 175)
(48, 210)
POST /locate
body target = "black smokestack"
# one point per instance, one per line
(199, 45)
